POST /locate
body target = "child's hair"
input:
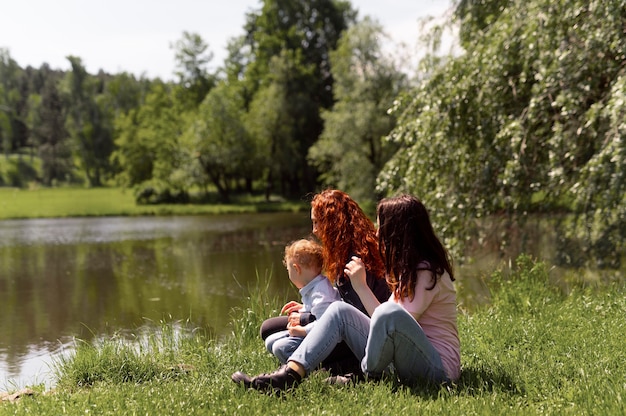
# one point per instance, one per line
(306, 253)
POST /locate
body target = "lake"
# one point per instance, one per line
(80, 278)
(62, 279)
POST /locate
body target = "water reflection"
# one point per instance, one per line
(67, 278)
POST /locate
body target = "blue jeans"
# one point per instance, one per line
(396, 338)
(282, 345)
(340, 322)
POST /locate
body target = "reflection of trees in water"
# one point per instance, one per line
(500, 241)
(545, 237)
(56, 292)
(267, 237)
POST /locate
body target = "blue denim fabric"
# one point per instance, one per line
(396, 338)
(340, 322)
(282, 345)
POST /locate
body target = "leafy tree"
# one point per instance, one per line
(89, 122)
(124, 92)
(47, 126)
(11, 103)
(269, 121)
(529, 117)
(192, 57)
(366, 84)
(300, 34)
(147, 142)
(219, 141)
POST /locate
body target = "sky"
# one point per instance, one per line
(135, 36)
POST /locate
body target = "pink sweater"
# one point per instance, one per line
(435, 311)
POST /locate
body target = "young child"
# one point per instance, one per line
(303, 260)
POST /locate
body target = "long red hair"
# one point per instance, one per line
(345, 230)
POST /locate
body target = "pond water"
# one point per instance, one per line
(62, 279)
(80, 278)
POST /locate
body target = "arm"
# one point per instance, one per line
(355, 270)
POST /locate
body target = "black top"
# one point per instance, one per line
(378, 286)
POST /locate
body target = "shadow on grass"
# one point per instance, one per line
(486, 380)
(473, 381)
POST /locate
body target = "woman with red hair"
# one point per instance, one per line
(344, 231)
(413, 336)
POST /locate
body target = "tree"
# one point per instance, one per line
(148, 151)
(47, 126)
(219, 141)
(12, 104)
(192, 57)
(366, 85)
(89, 122)
(269, 121)
(300, 34)
(522, 121)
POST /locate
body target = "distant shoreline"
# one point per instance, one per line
(18, 203)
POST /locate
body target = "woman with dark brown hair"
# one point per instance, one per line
(413, 335)
(344, 231)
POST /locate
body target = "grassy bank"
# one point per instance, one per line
(83, 202)
(532, 350)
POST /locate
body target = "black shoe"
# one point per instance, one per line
(282, 379)
(241, 378)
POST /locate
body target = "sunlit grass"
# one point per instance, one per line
(534, 349)
(81, 202)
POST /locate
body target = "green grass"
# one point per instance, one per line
(81, 202)
(532, 350)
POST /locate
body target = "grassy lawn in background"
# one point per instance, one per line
(533, 349)
(81, 202)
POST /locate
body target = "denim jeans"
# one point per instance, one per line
(396, 338)
(340, 322)
(282, 345)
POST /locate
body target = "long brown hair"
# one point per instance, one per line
(345, 230)
(408, 244)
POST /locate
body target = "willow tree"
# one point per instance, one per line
(530, 117)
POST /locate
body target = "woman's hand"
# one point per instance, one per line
(290, 307)
(355, 270)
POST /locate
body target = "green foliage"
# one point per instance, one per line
(12, 104)
(17, 171)
(47, 127)
(366, 83)
(270, 122)
(287, 44)
(147, 143)
(218, 142)
(533, 106)
(155, 191)
(89, 123)
(192, 57)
